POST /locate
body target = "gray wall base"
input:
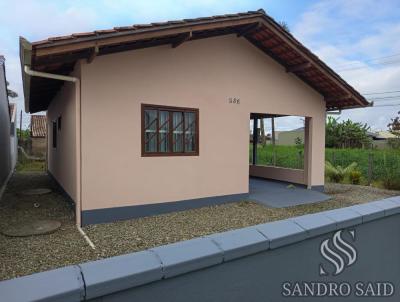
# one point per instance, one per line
(60, 188)
(318, 188)
(130, 212)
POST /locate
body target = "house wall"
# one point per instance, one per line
(380, 144)
(5, 158)
(13, 142)
(288, 138)
(200, 74)
(38, 146)
(62, 160)
(296, 176)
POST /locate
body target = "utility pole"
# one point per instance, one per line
(20, 126)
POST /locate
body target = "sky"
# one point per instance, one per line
(357, 38)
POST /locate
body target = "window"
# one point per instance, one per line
(59, 123)
(54, 134)
(169, 131)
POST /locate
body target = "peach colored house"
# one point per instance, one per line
(146, 110)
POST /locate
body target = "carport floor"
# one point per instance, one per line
(279, 194)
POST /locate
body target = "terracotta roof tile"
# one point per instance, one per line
(140, 26)
(270, 38)
(38, 125)
(105, 31)
(83, 34)
(122, 28)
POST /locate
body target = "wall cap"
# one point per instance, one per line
(242, 242)
(121, 272)
(185, 256)
(58, 285)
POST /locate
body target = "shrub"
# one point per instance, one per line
(391, 178)
(391, 183)
(355, 177)
(338, 173)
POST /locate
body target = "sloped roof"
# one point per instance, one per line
(385, 135)
(38, 125)
(59, 54)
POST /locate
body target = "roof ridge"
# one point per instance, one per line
(145, 25)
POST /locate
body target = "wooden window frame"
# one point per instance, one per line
(170, 109)
(54, 133)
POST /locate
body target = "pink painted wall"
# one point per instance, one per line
(62, 160)
(199, 74)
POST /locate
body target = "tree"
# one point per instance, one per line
(346, 134)
(394, 125)
(285, 26)
(394, 128)
(11, 93)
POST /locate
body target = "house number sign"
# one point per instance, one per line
(234, 101)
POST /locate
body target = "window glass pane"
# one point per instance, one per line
(177, 131)
(163, 140)
(190, 131)
(150, 132)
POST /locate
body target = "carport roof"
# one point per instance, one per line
(59, 54)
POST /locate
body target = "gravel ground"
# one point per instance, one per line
(26, 255)
(22, 256)
(138, 234)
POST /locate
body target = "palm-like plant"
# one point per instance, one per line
(338, 173)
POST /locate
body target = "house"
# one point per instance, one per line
(8, 151)
(13, 135)
(38, 135)
(380, 139)
(147, 119)
(289, 138)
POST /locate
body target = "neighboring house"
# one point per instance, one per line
(38, 135)
(289, 138)
(380, 139)
(155, 117)
(7, 128)
(13, 135)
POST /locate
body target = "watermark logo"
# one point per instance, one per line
(339, 252)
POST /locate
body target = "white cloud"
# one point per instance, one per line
(347, 34)
(341, 32)
(37, 20)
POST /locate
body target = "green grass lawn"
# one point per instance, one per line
(383, 161)
(30, 166)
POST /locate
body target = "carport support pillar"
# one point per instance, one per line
(308, 151)
(255, 140)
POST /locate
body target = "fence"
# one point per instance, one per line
(374, 164)
(279, 156)
(339, 255)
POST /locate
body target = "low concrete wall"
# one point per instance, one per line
(296, 176)
(339, 255)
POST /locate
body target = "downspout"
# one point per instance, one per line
(78, 203)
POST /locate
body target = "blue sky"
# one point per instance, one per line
(357, 38)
